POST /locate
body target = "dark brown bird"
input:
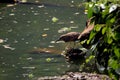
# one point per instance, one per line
(69, 37)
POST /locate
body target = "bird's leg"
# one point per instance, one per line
(72, 44)
(68, 45)
(76, 44)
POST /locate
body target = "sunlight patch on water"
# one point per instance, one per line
(1, 18)
(15, 41)
(11, 14)
(23, 1)
(10, 30)
(52, 42)
(46, 29)
(29, 22)
(51, 46)
(34, 27)
(7, 46)
(15, 22)
(36, 14)
(1, 40)
(41, 6)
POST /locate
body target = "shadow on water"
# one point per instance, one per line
(28, 27)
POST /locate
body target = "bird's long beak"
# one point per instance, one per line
(57, 40)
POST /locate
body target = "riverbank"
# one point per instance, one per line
(77, 76)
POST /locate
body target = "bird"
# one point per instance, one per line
(69, 37)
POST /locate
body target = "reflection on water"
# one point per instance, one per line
(24, 28)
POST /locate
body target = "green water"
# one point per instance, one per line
(23, 26)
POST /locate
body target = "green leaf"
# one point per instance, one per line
(105, 50)
(90, 12)
(109, 40)
(92, 35)
(112, 20)
(117, 51)
(97, 27)
(113, 63)
(105, 12)
(104, 30)
(109, 35)
(116, 36)
(90, 58)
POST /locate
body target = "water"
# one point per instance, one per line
(28, 27)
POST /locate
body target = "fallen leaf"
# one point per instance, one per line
(65, 29)
(44, 35)
(54, 19)
(48, 59)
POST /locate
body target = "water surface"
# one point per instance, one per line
(28, 27)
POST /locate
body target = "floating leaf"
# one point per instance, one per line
(12, 14)
(30, 75)
(74, 27)
(46, 29)
(15, 22)
(52, 42)
(51, 46)
(65, 29)
(48, 59)
(44, 35)
(7, 46)
(71, 22)
(41, 6)
(54, 19)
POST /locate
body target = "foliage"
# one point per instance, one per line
(106, 34)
